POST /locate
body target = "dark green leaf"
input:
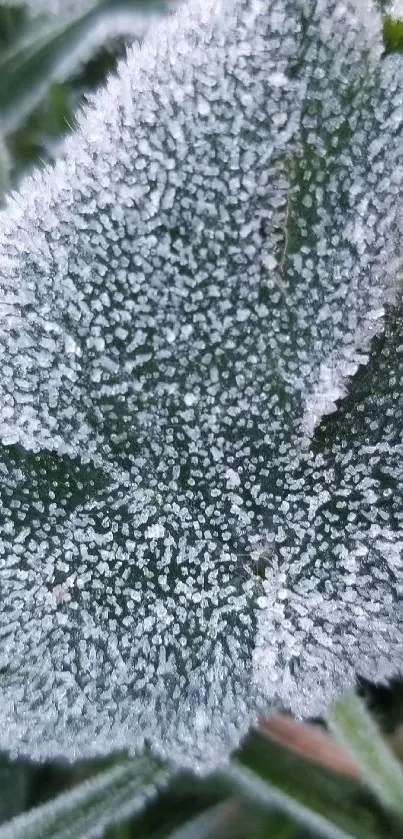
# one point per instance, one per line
(13, 788)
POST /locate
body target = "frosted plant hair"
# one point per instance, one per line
(184, 297)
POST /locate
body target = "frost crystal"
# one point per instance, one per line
(335, 604)
(182, 299)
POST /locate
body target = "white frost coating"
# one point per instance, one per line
(395, 9)
(181, 297)
(335, 602)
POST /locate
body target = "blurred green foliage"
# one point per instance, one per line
(48, 68)
(392, 34)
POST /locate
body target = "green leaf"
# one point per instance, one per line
(235, 818)
(210, 824)
(265, 794)
(392, 34)
(89, 808)
(331, 805)
(203, 804)
(13, 788)
(356, 730)
(12, 24)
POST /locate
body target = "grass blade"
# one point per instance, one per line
(355, 729)
(324, 801)
(264, 794)
(89, 808)
(214, 822)
(52, 51)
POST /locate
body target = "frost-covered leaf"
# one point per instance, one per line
(89, 808)
(183, 297)
(341, 537)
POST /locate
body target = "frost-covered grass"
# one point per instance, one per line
(200, 415)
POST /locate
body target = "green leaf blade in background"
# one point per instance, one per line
(43, 53)
(88, 809)
(53, 51)
(213, 823)
(321, 801)
(357, 732)
(13, 789)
